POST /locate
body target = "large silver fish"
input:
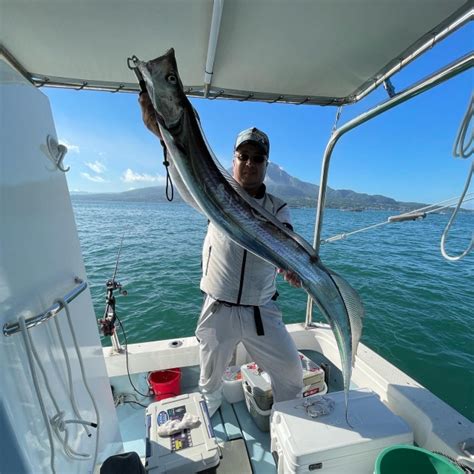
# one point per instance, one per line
(237, 214)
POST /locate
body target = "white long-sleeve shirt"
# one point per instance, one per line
(232, 274)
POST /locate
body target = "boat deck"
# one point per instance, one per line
(242, 443)
(236, 432)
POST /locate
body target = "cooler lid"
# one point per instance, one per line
(189, 450)
(256, 377)
(306, 440)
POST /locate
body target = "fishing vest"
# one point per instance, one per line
(234, 275)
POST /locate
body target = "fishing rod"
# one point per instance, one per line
(107, 323)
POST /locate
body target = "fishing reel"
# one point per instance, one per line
(107, 323)
(113, 285)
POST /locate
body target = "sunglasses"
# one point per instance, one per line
(244, 157)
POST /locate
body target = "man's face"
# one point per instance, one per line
(248, 168)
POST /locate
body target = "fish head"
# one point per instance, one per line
(165, 89)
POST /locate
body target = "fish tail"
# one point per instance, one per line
(347, 412)
(354, 307)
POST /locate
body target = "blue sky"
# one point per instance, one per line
(405, 154)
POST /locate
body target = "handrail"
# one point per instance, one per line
(458, 23)
(51, 312)
(433, 80)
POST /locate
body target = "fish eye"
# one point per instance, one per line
(172, 79)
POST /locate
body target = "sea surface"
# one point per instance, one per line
(419, 307)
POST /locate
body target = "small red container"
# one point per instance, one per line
(165, 383)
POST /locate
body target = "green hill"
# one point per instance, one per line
(296, 192)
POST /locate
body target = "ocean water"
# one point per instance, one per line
(419, 307)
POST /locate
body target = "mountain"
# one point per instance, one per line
(294, 191)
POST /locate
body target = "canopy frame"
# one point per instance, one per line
(207, 90)
(453, 69)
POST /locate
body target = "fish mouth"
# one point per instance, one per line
(175, 126)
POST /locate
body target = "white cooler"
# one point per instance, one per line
(327, 444)
(188, 451)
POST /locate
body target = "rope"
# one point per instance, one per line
(461, 148)
(417, 214)
(169, 183)
(59, 414)
(69, 375)
(450, 222)
(27, 341)
(63, 303)
(57, 423)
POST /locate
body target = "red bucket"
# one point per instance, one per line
(165, 383)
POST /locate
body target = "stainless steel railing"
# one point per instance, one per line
(51, 312)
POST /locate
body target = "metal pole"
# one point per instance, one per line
(458, 23)
(439, 77)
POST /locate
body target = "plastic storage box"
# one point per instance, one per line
(257, 382)
(188, 451)
(262, 417)
(327, 444)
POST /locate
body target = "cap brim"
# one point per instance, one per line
(262, 147)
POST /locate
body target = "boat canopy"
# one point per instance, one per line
(297, 51)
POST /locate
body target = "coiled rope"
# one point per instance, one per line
(57, 423)
(462, 149)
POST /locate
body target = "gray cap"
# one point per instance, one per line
(253, 135)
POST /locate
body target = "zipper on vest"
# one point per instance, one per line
(242, 272)
(208, 259)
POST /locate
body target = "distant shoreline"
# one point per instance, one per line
(100, 198)
(295, 192)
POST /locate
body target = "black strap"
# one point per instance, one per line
(169, 183)
(258, 321)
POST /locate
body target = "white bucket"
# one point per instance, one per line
(232, 384)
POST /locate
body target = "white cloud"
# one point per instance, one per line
(95, 179)
(130, 176)
(97, 167)
(70, 147)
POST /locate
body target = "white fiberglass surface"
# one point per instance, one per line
(39, 259)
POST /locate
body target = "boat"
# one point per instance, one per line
(45, 301)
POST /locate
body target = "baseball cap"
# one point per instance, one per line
(253, 135)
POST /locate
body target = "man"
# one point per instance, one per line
(240, 288)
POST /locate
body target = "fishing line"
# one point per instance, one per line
(126, 360)
(122, 400)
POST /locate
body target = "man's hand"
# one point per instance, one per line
(290, 277)
(148, 114)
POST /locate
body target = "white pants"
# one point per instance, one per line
(221, 327)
